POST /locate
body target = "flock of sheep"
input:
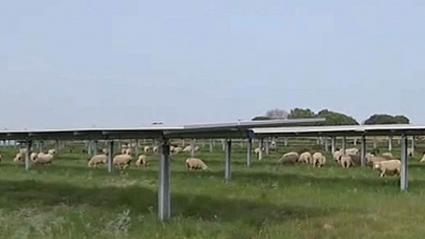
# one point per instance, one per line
(385, 163)
(123, 160)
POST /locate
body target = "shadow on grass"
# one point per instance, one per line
(30, 193)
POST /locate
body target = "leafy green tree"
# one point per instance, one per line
(299, 113)
(335, 118)
(387, 119)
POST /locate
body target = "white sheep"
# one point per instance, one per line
(122, 161)
(142, 160)
(337, 156)
(318, 159)
(376, 159)
(105, 151)
(195, 163)
(389, 167)
(187, 149)
(177, 150)
(52, 151)
(306, 157)
(98, 159)
(42, 158)
(289, 158)
(346, 161)
(19, 157)
(129, 151)
(155, 149)
(146, 149)
(352, 151)
(410, 153)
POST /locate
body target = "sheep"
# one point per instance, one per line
(410, 153)
(305, 158)
(289, 158)
(19, 157)
(146, 149)
(42, 158)
(352, 151)
(376, 159)
(187, 149)
(124, 151)
(172, 148)
(337, 156)
(142, 160)
(388, 155)
(52, 151)
(197, 149)
(346, 161)
(105, 151)
(98, 159)
(177, 150)
(318, 159)
(257, 150)
(128, 151)
(122, 161)
(155, 149)
(388, 167)
(195, 163)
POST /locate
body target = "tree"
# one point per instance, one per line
(261, 118)
(299, 113)
(386, 119)
(277, 114)
(335, 118)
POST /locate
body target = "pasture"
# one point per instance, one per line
(70, 200)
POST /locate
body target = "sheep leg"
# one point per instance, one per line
(383, 173)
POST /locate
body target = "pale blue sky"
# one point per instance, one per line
(128, 63)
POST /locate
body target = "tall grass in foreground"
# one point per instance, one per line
(69, 200)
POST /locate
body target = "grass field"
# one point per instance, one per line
(69, 200)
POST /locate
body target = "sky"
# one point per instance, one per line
(130, 63)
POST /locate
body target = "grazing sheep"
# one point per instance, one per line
(146, 149)
(305, 158)
(19, 157)
(388, 155)
(346, 161)
(337, 156)
(177, 150)
(352, 151)
(289, 158)
(52, 151)
(410, 153)
(187, 149)
(388, 167)
(172, 148)
(155, 149)
(376, 159)
(42, 158)
(197, 148)
(129, 151)
(195, 163)
(98, 159)
(318, 159)
(142, 160)
(105, 151)
(122, 161)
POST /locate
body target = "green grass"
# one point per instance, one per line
(69, 200)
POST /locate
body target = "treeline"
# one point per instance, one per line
(332, 117)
